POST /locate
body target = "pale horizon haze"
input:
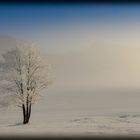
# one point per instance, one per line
(89, 46)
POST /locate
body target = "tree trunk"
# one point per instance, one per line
(29, 113)
(26, 113)
(27, 106)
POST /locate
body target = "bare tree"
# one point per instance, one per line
(24, 74)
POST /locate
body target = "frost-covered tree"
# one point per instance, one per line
(23, 75)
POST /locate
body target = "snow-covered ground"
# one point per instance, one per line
(54, 125)
(81, 114)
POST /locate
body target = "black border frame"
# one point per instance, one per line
(68, 2)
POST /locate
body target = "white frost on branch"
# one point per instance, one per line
(23, 73)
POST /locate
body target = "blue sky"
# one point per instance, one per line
(90, 45)
(26, 19)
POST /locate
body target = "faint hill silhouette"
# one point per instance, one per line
(6, 43)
